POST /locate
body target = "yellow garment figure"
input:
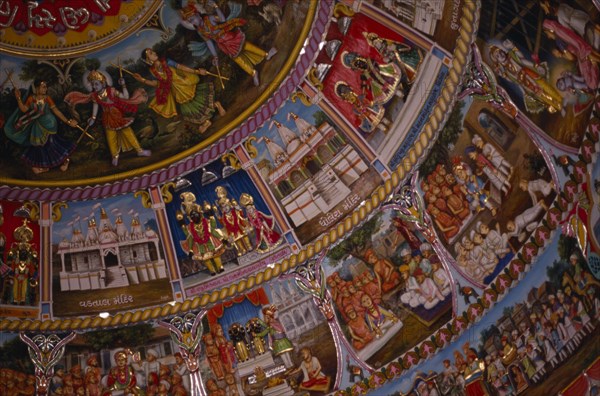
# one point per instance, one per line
(250, 56)
(122, 140)
(179, 91)
(183, 90)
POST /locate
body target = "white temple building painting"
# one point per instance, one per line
(296, 310)
(110, 255)
(313, 171)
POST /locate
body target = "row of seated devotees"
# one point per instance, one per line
(420, 281)
(128, 374)
(548, 334)
(453, 198)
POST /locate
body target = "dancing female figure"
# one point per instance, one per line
(34, 125)
(179, 86)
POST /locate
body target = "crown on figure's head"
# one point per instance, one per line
(23, 233)
(246, 199)
(224, 201)
(187, 11)
(95, 75)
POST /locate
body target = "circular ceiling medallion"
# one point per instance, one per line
(241, 77)
(60, 28)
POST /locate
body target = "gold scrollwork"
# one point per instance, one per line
(234, 162)
(302, 96)
(145, 196)
(249, 144)
(314, 80)
(56, 210)
(342, 9)
(165, 191)
(34, 210)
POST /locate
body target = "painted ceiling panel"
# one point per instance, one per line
(286, 197)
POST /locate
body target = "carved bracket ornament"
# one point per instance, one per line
(481, 83)
(45, 352)
(186, 333)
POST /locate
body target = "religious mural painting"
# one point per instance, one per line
(107, 255)
(19, 259)
(369, 74)
(443, 285)
(273, 340)
(486, 187)
(389, 286)
(136, 358)
(222, 228)
(148, 97)
(549, 68)
(270, 339)
(437, 19)
(593, 200)
(543, 328)
(17, 372)
(312, 169)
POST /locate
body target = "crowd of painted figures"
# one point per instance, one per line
(419, 281)
(480, 183)
(523, 353)
(128, 375)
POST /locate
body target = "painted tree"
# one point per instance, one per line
(440, 152)
(320, 118)
(14, 355)
(132, 336)
(357, 242)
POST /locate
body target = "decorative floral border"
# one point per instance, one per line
(213, 147)
(467, 32)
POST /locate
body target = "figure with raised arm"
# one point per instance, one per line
(114, 104)
(179, 91)
(34, 126)
(223, 33)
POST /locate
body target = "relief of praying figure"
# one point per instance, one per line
(313, 378)
(235, 224)
(266, 237)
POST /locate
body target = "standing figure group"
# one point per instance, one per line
(206, 241)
